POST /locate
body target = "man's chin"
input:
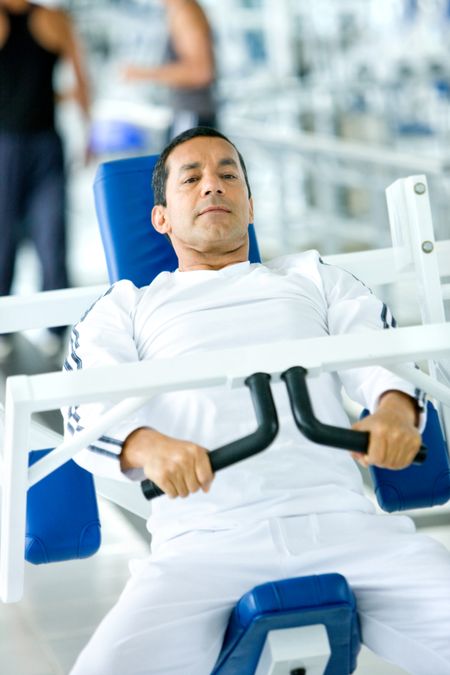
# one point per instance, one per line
(221, 245)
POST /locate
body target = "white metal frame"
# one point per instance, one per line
(128, 383)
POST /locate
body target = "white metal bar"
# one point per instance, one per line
(446, 291)
(67, 449)
(411, 196)
(232, 366)
(413, 238)
(424, 381)
(14, 494)
(43, 310)
(225, 367)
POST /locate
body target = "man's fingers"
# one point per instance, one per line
(361, 458)
(204, 471)
(168, 488)
(179, 468)
(389, 447)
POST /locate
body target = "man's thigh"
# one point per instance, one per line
(401, 580)
(173, 613)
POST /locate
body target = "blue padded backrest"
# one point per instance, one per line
(124, 201)
(62, 516)
(303, 601)
(417, 486)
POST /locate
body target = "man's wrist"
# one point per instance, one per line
(402, 402)
(131, 456)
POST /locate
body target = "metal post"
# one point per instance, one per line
(14, 490)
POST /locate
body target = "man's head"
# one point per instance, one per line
(202, 199)
(161, 171)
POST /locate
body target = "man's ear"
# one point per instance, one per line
(159, 219)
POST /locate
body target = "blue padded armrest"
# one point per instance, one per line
(303, 601)
(427, 484)
(62, 515)
(124, 201)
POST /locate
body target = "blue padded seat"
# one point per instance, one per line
(417, 486)
(62, 521)
(302, 601)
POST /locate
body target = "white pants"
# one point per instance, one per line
(171, 617)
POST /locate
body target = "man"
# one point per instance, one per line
(32, 40)
(296, 508)
(189, 69)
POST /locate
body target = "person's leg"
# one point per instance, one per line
(172, 615)
(401, 580)
(11, 196)
(46, 208)
(47, 218)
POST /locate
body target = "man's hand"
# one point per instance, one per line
(394, 439)
(177, 467)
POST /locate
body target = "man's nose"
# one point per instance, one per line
(212, 185)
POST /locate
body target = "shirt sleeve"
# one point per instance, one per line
(103, 336)
(353, 308)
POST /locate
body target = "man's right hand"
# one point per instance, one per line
(177, 467)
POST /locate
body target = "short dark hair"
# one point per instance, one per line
(160, 172)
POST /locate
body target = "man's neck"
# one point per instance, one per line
(191, 259)
(213, 265)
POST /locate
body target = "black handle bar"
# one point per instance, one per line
(266, 415)
(316, 431)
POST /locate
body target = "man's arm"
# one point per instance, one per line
(191, 38)
(104, 337)
(177, 467)
(394, 438)
(394, 403)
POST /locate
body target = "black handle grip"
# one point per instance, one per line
(266, 416)
(316, 431)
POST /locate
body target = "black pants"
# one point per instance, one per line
(32, 204)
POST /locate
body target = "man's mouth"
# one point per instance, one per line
(211, 209)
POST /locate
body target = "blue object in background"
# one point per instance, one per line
(111, 136)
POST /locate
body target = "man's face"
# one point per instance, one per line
(208, 208)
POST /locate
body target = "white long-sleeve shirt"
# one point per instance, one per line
(180, 313)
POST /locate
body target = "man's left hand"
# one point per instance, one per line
(394, 438)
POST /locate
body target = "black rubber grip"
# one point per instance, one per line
(316, 431)
(267, 419)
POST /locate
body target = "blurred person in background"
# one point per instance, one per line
(189, 70)
(33, 39)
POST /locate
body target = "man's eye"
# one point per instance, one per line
(229, 176)
(191, 179)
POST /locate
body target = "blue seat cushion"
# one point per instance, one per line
(420, 485)
(62, 520)
(303, 601)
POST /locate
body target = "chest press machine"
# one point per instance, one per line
(288, 627)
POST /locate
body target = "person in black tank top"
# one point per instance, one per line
(32, 185)
(26, 77)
